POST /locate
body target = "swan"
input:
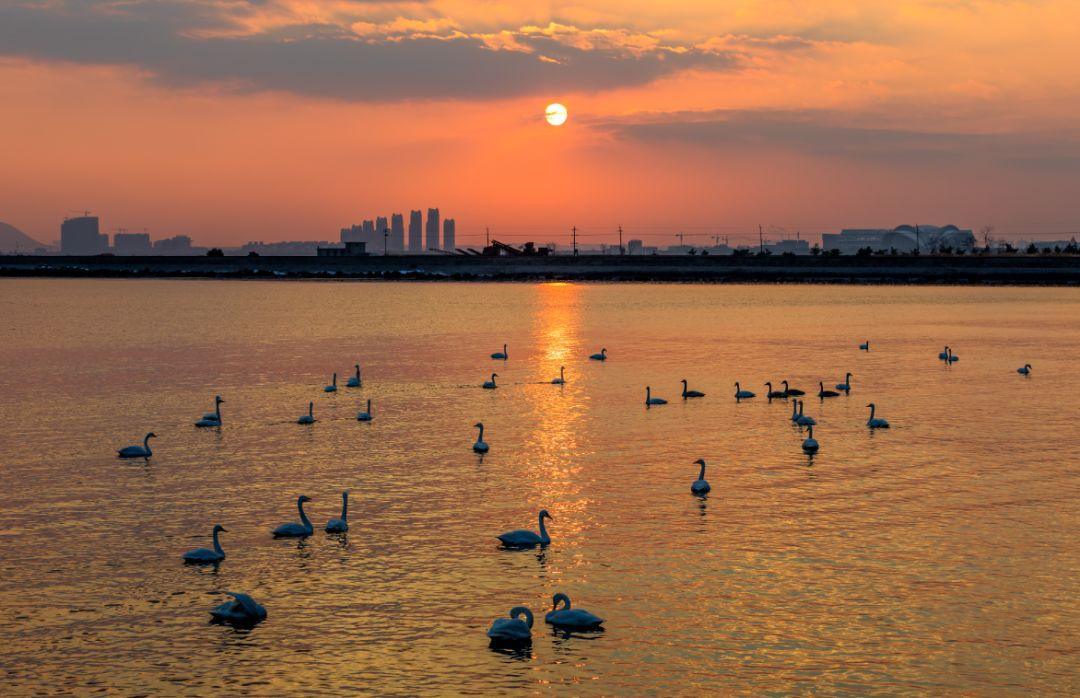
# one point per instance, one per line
(242, 610)
(699, 486)
(1024, 370)
(206, 555)
(572, 618)
(138, 451)
(504, 355)
(810, 445)
(296, 530)
(690, 393)
(340, 525)
(308, 418)
(822, 392)
(944, 355)
(741, 394)
(774, 393)
(951, 357)
(875, 422)
(846, 385)
(865, 346)
(512, 629)
(365, 416)
(650, 400)
(212, 419)
(792, 391)
(354, 381)
(561, 380)
(803, 420)
(527, 539)
(602, 356)
(480, 446)
(490, 385)
(795, 411)
(332, 388)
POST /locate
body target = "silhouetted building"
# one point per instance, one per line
(81, 236)
(416, 232)
(352, 234)
(293, 248)
(178, 245)
(634, 247)
(904, 238)
(449, 234)
(349, 249)
(132, 243)
(397, 233)
(788, 246)
(432, 230)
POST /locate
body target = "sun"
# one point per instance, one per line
(555, 114)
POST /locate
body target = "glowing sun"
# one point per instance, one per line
(555, 114)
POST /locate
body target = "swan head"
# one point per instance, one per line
(494, 376)
(303, 498)
(218, 400)
(478, 425)
(522, 611)
(871, 405)
(219, 528)
(151, 435)
(356, 366)
(545, 515)
(699, 461)
(557, 598)
(785, 384)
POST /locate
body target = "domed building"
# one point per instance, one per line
(903, 238)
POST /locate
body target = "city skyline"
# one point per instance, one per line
(690, 117)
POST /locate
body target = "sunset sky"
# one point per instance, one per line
(233, 120)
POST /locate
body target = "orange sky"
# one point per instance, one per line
(230, 120)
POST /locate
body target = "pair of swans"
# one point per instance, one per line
(1024, 370)
(490, 385)
(366, 415)
(846, 385)
(354, 381)
(242, 610)
(741, 394)
(480, 446)
(212, 419)
(798, 417)
(701, 485)
(517, 627)
(207, 556)
(332, 388)
(503, 355)
(875, 422)
(602, 356)
(690, 393)
(138, 451)
(308, 418)
(947, 356)
(650, 400)
(810, 444)
(523, 538)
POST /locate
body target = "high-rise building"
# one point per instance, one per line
(381, 238)
(369, 233)
(397, 233)
(449, 234)
(352, 234)
(416, 232)
(432, 231)
(131, 243)
(81, 236)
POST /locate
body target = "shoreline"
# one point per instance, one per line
(1025, 270)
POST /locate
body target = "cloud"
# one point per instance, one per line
(212, 42)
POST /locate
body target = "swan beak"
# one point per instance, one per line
(223, 529)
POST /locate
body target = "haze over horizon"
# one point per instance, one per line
(231, 121)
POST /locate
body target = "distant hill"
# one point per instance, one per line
(14, 240)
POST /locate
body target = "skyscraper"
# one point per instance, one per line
(382, 240)
(416, 232)
(432, 230)
(449, 235)
(397, 233)
(369, 234)
(80, 236)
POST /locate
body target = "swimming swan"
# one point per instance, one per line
(212, 419)
(138, 451)
(1024, 370)
(571, 618)
(792, 391)
(512, 629)
(490, 385)
(296, 530)
(873, 422)
(203, 556)
(741, 394)
(332, 388)
(650, 400)
(308, 418)
(561, 380)
(846, 385)
(804, 420)
(480, 446)
(354, 381)
(690, 393)
(810, 445)
(602, 356)
(865, 346)
(774, 393)
(340, 525)
(366, 415)
(522, 538)
(822, 392)
(944, 355)
(504, 355)
(699, 486)
(242, 610)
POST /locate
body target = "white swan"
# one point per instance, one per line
(296, 530)
(650, 400)
(944, 354)
(701, 485)
(772, 394)
(561, 380)
(366, 415)
(242, 610)
(804, 420)
(490, 385)
(741, 394)
(1024, 370)
(480, 446)
(138, 451)
(823, 393)
(504, 355)
(204, 556)
(865, 346)
(571, 618)
(522, 538)
(846, 385)
(792, 391)
(810, 445)
(875, 422)
(690, 393)
(354, 381)
(212, 419)
(332, 388)
(512, 629)
(602, 356)
(308, 418)
(340, 525)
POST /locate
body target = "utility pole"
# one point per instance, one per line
(621, 250)
(680, 236)
(487, 237)
(761, 240)
(918, 243)
(574, 231)
(385, 241)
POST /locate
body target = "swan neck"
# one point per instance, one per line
(344, 506)
(303, 516)
(701, 475)
(217, 545)
(146, 444)
(543, 530)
